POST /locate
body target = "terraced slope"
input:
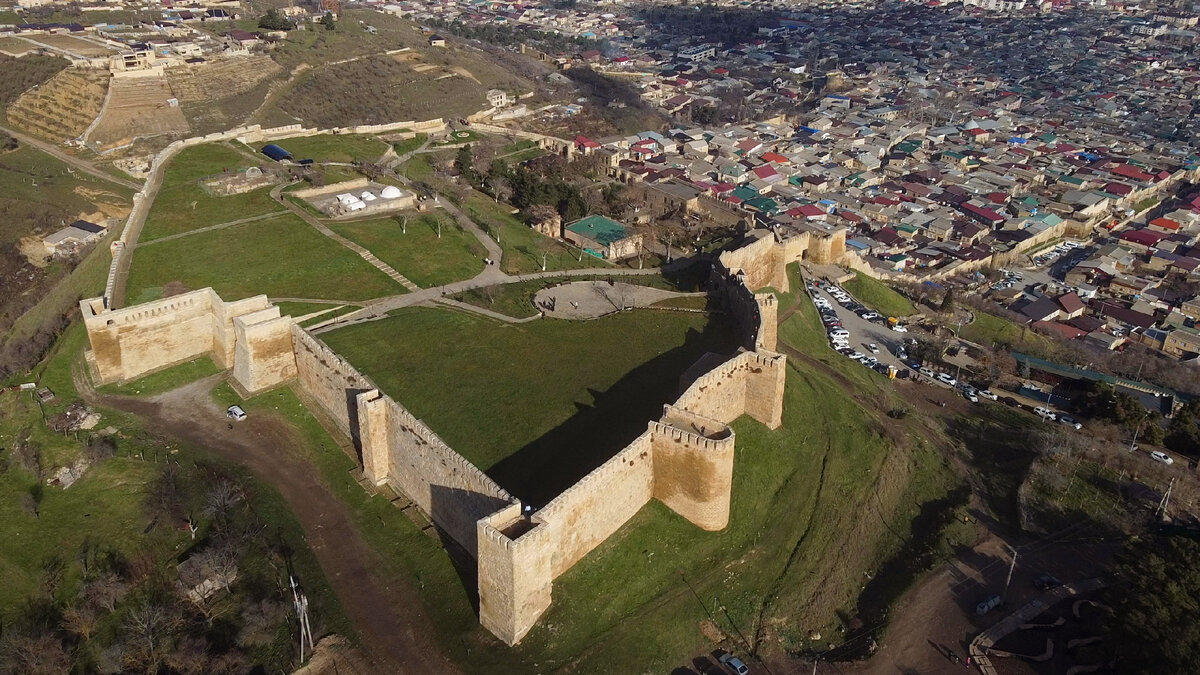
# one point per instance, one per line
(63, 107)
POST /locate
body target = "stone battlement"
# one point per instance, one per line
(684, 459)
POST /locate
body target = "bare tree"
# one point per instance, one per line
(221, 499)
(105, 591)
(82, 618)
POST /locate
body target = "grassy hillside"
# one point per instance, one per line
(876, 295)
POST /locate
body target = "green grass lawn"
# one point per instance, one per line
(333, 148)
(989, 329)
(876, 295)
(416, 251)
(535, 405)
(200, 161)
(280, 257)
(165, 380)
(411, 144)
(183, 205)
(188, 207)
(418, 168)
(522, 245)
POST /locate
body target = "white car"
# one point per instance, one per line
(927, 372)
(1045, 413)
(900, 328)
(734, 663)
(235, 412)
(855, 356)
(839, 333)
(873, 348)
(987, 393)
(946, 378)
(1161, 457)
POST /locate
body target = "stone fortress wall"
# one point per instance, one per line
(684, 459)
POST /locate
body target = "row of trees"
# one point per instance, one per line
(511, 36)
(543, 181)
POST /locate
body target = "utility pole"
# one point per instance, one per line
(1011, 567)
(1161, 511)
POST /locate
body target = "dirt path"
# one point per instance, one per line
(397, 637)
(81, 164)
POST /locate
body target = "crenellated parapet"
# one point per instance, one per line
(684, 459)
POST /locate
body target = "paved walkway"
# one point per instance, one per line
(379, 309)
(474, 309)
(982, 644)
(323, 229)
(581, 300)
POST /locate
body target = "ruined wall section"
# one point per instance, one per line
(759, 260)
(407, 455)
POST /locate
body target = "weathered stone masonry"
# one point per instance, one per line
(684, 459)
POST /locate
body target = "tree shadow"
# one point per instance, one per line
(1000, 458)
(544, 468)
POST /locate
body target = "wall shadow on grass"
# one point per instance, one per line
(597, 431)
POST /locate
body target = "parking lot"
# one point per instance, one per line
(861, 332)
(861, 329)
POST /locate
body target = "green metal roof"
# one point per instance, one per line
(763, 204)
(599, 229)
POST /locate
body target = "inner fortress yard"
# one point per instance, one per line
(579, 439)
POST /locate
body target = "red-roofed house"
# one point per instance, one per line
(585, 145)
(1132, 172)
(1164, 225)
(774, 158)
(1071, 305)
(1142, 239)
(1060, 329)
(767, 173)
(748, 147)
(811, 212)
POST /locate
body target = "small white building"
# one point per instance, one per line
(497, 98)
(73, 237)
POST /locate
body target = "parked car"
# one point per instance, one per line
(900, 328)
(987, 393)
(235, 412)
(855, 355)
(969, 394)
(1045, 413)
(987, 605)
(734, 663)
(873, 348)
(947, 378)
(839, 332)
(1069, 421)
(927, 371)
(1160, 456)
(1046, 582)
